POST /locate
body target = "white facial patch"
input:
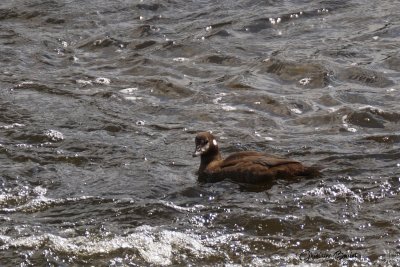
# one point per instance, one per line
(205, 148)
(215, 142)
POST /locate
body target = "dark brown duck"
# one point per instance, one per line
(244, 167)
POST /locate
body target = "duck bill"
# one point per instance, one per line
(197, 152)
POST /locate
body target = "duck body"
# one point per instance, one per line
(244, 167)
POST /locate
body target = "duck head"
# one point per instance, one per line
(206, 145)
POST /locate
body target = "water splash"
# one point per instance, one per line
(152, 244)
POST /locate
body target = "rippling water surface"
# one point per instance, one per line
(100, 102)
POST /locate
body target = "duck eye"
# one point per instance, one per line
(202, 142)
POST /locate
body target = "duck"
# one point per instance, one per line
(248, 167)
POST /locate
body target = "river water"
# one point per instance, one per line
(100, 102)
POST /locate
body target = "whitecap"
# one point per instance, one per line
(332, 193)
(179, 208)
(102, 80)
(217, 100)
(54, 135)
(128, 91)
(332, 109)
(346, 125)
(10, 126)
(133, 98)
(21, 85)
(32, 199)
(40, 191)
(228, 108)
(296, 110)
(84, 82)
(179, 59)
(155, 246)
(305, 81)
(140, 123)
(24, 145)
(372, 108)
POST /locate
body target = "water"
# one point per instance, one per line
(100, 102)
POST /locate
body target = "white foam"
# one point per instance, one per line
(128, 91)
(372, 108)
(84, 82)
(54, 135)
(195, 208)
(217, 100)
(305, 81)
(180, 59)
(296, 110)
(102, 80)
(21, 85)
(10, 126)
(332, 109)
(228, 108)
(133, 98)
(346, 125)
(24, 145)
(40, 191)
(156, 247)
(140, 123)
(332, 193)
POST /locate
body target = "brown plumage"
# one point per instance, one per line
(244, 167)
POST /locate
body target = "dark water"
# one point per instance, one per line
(100, 102)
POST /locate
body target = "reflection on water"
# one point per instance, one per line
(99, 106)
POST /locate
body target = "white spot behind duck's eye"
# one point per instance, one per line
(215, 142)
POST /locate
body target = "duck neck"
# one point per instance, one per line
(207, 159)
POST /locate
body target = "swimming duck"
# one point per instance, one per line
(244, 167)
